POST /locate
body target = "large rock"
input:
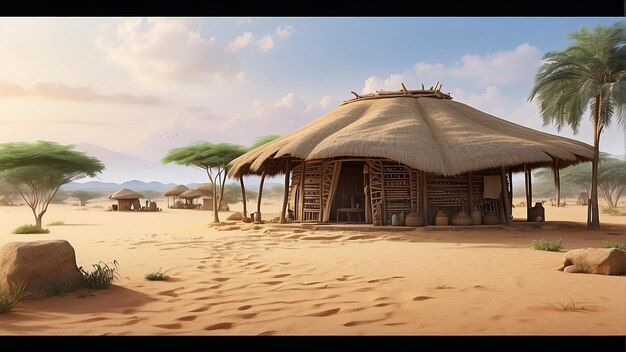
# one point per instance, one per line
(235, 216)
(606, 261)
(42, 265)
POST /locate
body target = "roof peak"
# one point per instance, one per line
(432, 92)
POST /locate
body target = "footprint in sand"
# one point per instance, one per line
(169, 326)
(325, 313)
(381, 304)
(170, 293)
(248, 315)
(201, 267)
(221, 279)
(272, 283)
(245, 307)
(129, 311)
(267, 333)
(381, 299)
(219, 326)
(201, 309)
(188, 318)
(280, 275)
(422, 298)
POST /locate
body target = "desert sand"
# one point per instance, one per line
(247, 279)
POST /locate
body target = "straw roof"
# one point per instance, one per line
(191, 194)
(205, 188)
(423, 129)
(126, 193)
(174, 191)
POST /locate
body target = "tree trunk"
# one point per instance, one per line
(216, 217)
(594, 222)
(243, 196)
(38, 220)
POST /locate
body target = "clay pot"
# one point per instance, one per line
(413, 219)
(442, 218)
(476, 216)
(491, 218)
(461, 219)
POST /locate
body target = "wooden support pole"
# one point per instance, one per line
(425, 199)
(557, 181)
(505, 197)
(283, 217)
(301, 193)
(510, 173)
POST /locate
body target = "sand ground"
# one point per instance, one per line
(246, 279)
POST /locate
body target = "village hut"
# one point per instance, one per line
(127, 199)
(174, 192)
(189, 196)
(207, 200)
(412, 154)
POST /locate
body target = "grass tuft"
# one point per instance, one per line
(157, 276)
(56, 223)
(28, 229)
(620, 246)
(571, 307)
(102, 276)
(546, 245)
(9, 298)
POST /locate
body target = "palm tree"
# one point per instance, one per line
(589, 75)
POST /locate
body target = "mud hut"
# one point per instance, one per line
(127, 199)
(174, 192)
(406, 153)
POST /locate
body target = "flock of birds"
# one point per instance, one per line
(167, 135)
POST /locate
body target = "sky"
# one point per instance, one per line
(143, 86)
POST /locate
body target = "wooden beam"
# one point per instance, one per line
(425, 199)
(283, 218)
(505, 196)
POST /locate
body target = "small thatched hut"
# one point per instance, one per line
(406, 152)
(127, 199)
(189, 196)
(207, 200)
(174, 192)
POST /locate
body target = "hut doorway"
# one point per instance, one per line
(349, 198)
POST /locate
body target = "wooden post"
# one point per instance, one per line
(286, 195)
(557, 181)
(425, 199)
(366, 190)
(510, 173)
(528, 187)
(505, 196)
(301, 193)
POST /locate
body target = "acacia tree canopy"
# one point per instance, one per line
(37, 170)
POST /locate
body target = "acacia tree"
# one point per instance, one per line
(84, 196)
(37, 171)
(611, 178)
(213, 159)
(589, 75)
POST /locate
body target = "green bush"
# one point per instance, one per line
(620, 246)
(102, 276)
(8, 299)
(546, 245)
(157, 276)
(28, 229)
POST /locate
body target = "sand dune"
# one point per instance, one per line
(247, 279)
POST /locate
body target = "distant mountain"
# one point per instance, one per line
(121, 167)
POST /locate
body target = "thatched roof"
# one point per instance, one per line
(205, 188)
(423, 129)
(126, 193)
(191, 194)
(175, 191)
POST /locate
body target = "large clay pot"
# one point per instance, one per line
(413, 219)
(476, 216)
(491, 218)
(461, 219)
(394, 219)
(442, 218)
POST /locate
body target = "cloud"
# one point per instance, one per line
(265, 44)
(158, 50)
(240, 42)
(59, 91)
(8, 89)
(284, 31)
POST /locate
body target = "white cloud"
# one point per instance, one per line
(158, 50)
(503, 67)
(284, 31)
(265, 44)
(240, 42)
(327, 102)
(393, 82)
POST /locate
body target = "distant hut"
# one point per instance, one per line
(189, 196)
(413, 152)
(127, 199)
(207, 191)
(174, 192)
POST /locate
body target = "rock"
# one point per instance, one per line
(42, 265)
(235, 216)
(571, 269)
(605, 261)
(246, 219)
